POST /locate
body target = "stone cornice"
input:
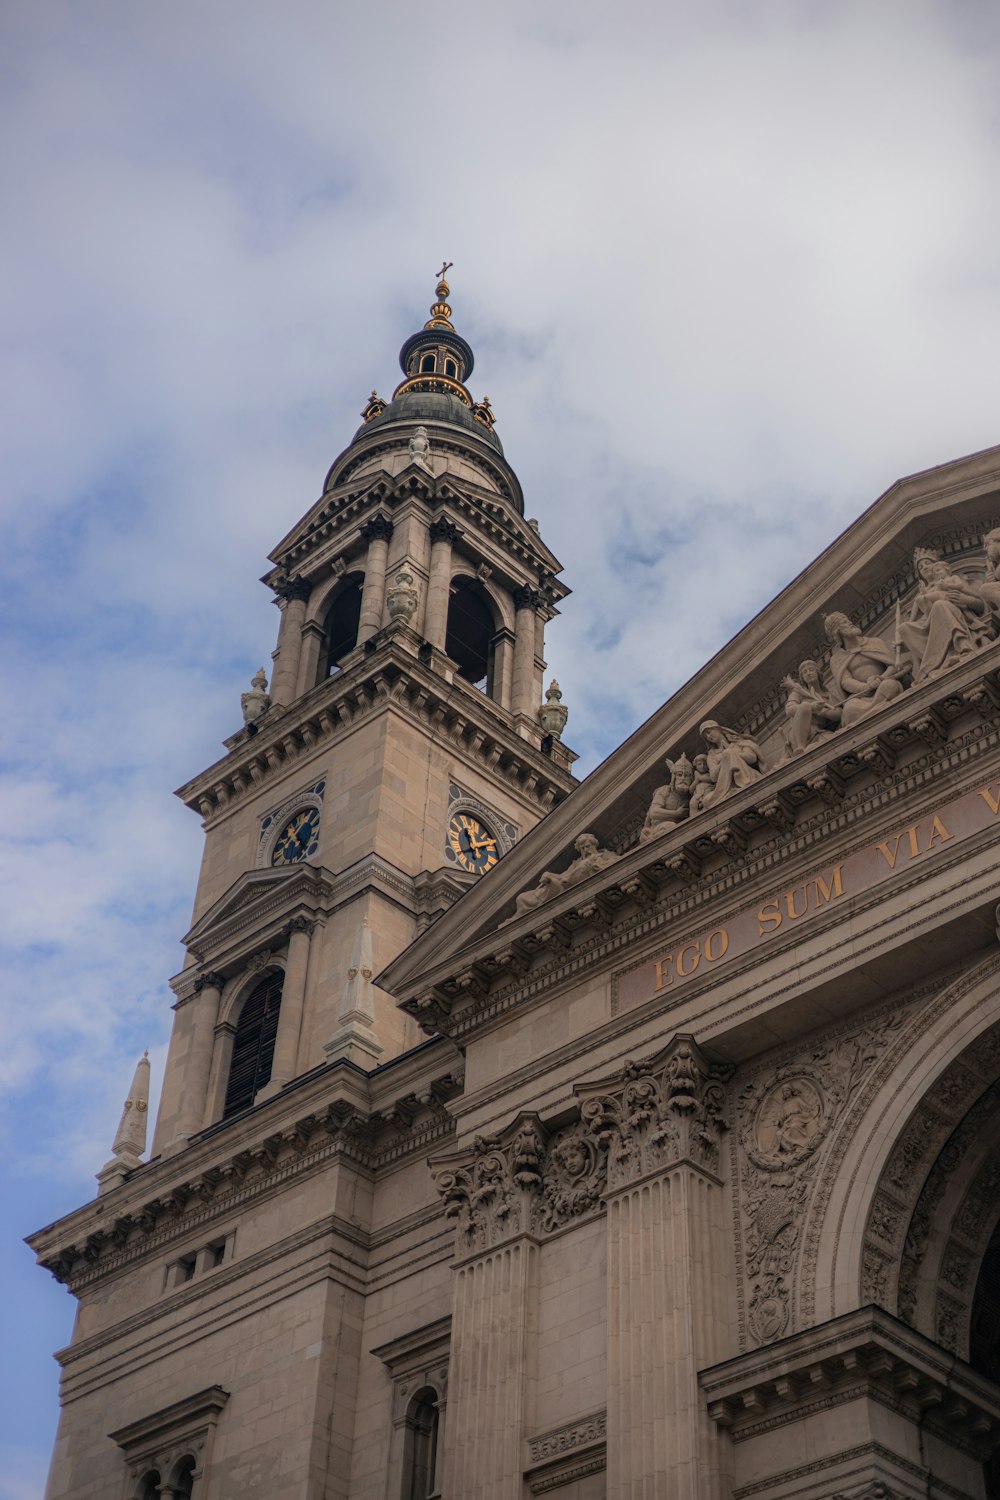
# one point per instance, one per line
(853, 776)
(372, 1122)
(334, 525)
(391, 675)
(866, 1353)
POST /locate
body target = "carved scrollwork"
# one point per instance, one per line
(647, 1117)
(784, 1121)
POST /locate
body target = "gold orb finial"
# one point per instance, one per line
(440, 312)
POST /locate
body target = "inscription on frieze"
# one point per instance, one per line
(880, 862)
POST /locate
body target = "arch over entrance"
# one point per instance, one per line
(917, 1153)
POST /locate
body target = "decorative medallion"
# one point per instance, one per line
(790, 1123)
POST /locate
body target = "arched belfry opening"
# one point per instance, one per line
(340, 627)
(253, 1044)
(469, 637)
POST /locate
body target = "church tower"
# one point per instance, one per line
(402, 750)
(232, 1287)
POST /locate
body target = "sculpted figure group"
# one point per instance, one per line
(948, 620)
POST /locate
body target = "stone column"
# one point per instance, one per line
(665, 1226)
(293, 994)
(503, 667)
(495, 1195)
(295, 593)
(376, 532)
(204, 1019)
(443, 536)
(526, 602)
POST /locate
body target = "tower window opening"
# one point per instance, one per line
(420, 1451)
(149, 1486)
(253, 1045)
(182, 1481)
(341, 625)
(469, 635)
(427, 364)
(451, 369)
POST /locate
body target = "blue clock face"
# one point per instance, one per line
(299, 839)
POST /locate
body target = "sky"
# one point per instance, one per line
(729, 269)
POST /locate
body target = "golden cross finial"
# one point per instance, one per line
(445, 268)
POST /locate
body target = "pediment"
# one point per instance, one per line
(252, 899)
(868, 575)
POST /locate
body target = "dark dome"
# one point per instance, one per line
(430, 406)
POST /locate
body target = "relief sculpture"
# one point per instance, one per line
(590, 858)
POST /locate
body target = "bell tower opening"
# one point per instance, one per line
(340, 628)
(253, 1044)
(469, 634)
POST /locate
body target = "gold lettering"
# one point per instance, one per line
(663, 979)
(911, 834)
(771, 917)
(790, 902)
(883, 849)
(723, 937)
(939, 834)
(826, 892)
(991, 797)
(694, 948)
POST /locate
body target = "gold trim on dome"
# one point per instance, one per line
(441, 313)
(435, 383)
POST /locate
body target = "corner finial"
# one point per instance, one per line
(130, 1141)
(440, 312)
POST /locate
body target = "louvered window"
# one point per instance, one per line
(253, 1045)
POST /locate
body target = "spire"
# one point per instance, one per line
(130, 1140)
(441, 313)
(355, 1037)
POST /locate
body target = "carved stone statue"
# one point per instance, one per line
(989, 589)
(670, 801)
(590, 858)
(701, 786)
(948, 618)
(419, 447)
(256, 703)
(733, 761)
(812, 715)
(553, 713)
(401, 600)
(864, 670)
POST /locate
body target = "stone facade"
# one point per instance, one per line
(678, 1178)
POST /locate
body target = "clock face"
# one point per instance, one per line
(298, 839)
(472, 844)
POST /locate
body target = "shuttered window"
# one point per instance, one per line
(253, 1045)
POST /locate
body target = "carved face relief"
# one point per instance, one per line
(790, 1124)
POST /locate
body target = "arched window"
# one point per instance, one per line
(341, 625)
(470, 632)
(253, 1045)
(182, 1479)
(149, 1486)
(420, 1448)
(427, 365)
(451, 369)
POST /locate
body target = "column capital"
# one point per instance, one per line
(526, 598)
(443, 530)
(295, 588)
(377, 528)
(658, 1112)
(211, 980)
(300, 924)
